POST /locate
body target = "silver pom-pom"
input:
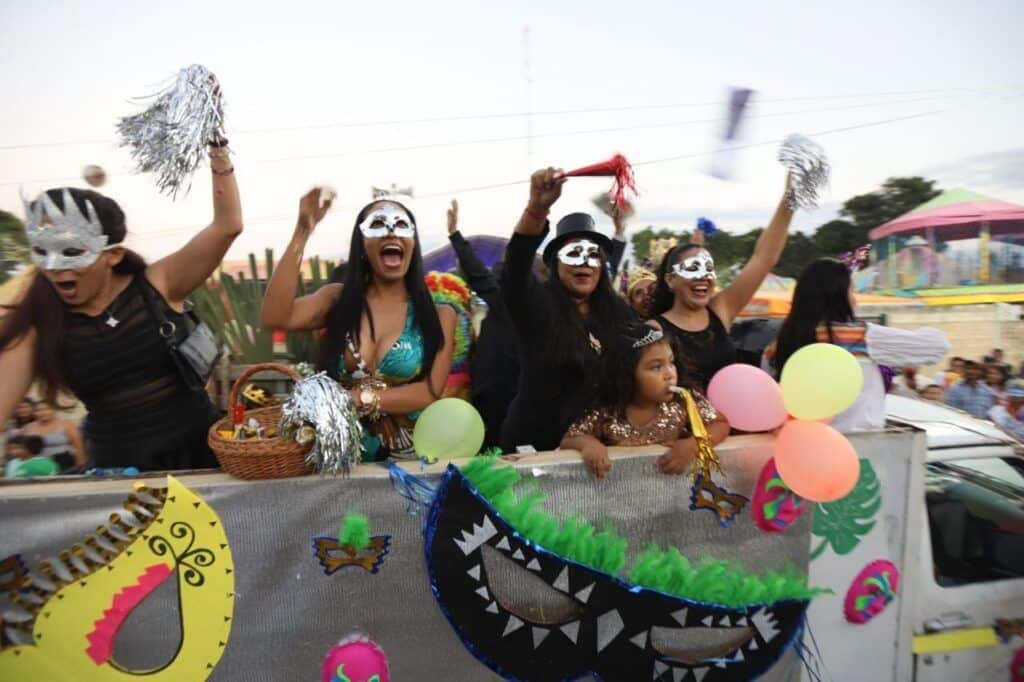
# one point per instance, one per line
(169, 138)
(808, 167)
(319, 402)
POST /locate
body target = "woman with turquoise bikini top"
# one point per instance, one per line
(386, 342)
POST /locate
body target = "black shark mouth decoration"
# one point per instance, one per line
(529, 614)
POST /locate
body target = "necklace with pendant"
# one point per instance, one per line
(111, 320)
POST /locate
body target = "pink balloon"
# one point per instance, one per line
(748, 397)
(817, 462)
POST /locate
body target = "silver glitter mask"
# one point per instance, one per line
(386, 220)
(583, 252)
(701, 266)
(63, 240)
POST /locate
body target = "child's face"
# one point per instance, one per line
(16, 451)
(655, 374)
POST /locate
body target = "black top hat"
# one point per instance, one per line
(576, 225)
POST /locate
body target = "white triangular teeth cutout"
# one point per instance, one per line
(764, 621)
(534, 565)
(571, 630)
(492, 607)
(518, 555)
(640, 640)
(504, 544)
(678, 674)
(538, 636)
(739, 656)
(584, 594)
(562, 581)
(752, 646)
(483, 593)
(474, 572)
(743, 621)
(699, 673)
(481, 534)
(708, 621)
(608, 628)
(512, 625)
(680, 616)
(659, 669)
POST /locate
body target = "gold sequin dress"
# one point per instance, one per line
(670, 424)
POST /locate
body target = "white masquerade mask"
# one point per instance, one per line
(583, 252)
(387, 219)
(63, 240)
(701, 266)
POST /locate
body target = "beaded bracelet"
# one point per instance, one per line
(222, 173)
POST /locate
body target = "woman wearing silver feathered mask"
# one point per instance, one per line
(386, 341)
(96, 322)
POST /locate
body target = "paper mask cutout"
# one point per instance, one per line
(871, 591)
(625, 632)
(13, 573)
(355, 659)
(334, 556)
(388, 219)
(722, 503)
(701, 266)
(1008, 628)
(775, 506)
(1017, 666)
(175, 536)
(842, 523)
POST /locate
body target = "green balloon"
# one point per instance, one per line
(37, 466)
(450, 428)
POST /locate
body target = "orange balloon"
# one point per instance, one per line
(817, 462)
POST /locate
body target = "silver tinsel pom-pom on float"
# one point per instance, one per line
(169, 138)
(809, 169)
(320, 405)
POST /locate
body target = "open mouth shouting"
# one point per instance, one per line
(392, 256)
(528, 613)
(67, 288)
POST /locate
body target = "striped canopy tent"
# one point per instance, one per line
(959, 238)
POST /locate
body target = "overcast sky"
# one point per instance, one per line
(69, 69)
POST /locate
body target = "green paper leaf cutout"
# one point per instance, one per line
(843, 523)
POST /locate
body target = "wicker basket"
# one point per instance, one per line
(264, 458)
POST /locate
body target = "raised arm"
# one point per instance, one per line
(767, 251)
(545, 188)
(281, 309)
(16, 363)
(177, 275)
(618, 240)
(416, 396)
(478, 276)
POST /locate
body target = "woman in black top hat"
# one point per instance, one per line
(561, 324)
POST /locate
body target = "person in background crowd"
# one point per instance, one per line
(999, 359)
(20, 449)
(24, 413)
(952, 374)
(90, 324)
(387, 342)
(970, 394)
(62, 441)
(640, 291)
(996, 376)
(823, 312)
(1007, 415)
(909, 382)
(932, 392)
(698, 318)
(561, 325)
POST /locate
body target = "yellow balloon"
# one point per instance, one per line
(819, 381)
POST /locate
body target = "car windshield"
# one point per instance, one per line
(976, 519)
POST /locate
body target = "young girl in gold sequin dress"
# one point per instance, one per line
(636, 405)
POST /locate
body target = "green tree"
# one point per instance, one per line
(642, 240)
(801, 250)
(13, 245)
(838, 236)
(896, 197)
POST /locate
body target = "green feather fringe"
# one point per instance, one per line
(355, 531)
(665, 570)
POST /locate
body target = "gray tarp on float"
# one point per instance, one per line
(288, 613)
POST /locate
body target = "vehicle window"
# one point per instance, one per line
(976, 519)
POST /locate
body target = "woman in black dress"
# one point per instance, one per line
(562, 324)
(698, 318)
(89, 324)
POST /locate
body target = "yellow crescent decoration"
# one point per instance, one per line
(73, 613)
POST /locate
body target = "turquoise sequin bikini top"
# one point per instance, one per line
(401, 364)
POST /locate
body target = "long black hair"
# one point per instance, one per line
(42, 309)
(663, 298)
(344, 316)
(822, 296)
